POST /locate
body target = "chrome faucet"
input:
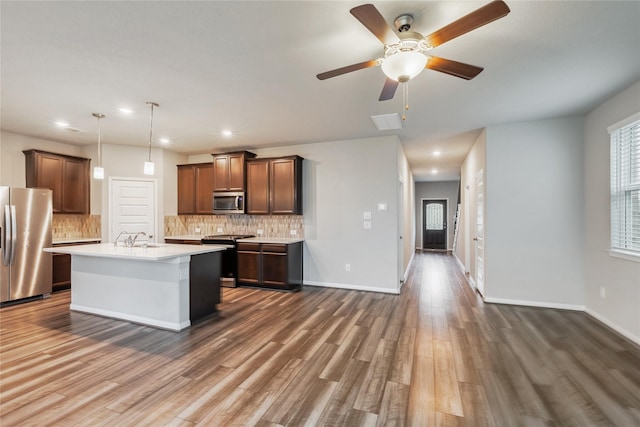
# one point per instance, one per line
(138, 234)
(115, 242)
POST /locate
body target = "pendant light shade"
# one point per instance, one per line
(149, 167)
(98, 171)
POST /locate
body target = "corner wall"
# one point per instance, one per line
(620, 278)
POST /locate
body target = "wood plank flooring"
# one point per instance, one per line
(435, 355)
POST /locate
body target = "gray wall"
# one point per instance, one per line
(620, 277)
(436, 190)
(534, 213)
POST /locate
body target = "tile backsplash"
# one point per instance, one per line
(272, 226)
(76, 226)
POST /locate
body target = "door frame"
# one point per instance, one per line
(479, 238)
(446, 234)
(154, 181)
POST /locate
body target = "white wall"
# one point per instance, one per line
(342, 180)
(534, 213)
(436, 190)
(620, 278)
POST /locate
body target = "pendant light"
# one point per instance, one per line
(98, 171)
(149, 167)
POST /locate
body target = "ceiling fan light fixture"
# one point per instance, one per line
(403, 66)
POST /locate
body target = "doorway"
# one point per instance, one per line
(132, 207)
(434, 224)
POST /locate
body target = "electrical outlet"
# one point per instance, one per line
(197, 230)
(347, 267)
(293, 232)
(259, 232)
(603, 292)
(219, 230)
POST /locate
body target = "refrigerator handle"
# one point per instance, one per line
(14, 235)
(6, 244)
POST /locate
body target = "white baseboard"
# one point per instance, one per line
(406, 272)
(541, 304)
(352, 287)
(628, 335)
(162, 324)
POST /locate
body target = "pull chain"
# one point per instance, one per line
(405, 99)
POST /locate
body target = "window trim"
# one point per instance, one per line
(630, 255)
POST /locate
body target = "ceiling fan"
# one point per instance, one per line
(406, 53)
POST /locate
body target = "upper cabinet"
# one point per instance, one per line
(67, 176)
(195, 188)
(229, 171)
(274, 186)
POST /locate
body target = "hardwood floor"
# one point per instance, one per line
(435, 355)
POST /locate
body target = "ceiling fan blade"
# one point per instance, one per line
(347, 69)
(369, 16)
(486, 14)
(388, 90)
(453, 68)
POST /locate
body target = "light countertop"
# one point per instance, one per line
(154, 252)
(71, 241)
(276, 240)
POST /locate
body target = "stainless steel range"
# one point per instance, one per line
(229, 257)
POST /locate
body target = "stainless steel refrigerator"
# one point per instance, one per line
(25, 229)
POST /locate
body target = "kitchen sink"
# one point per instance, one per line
(149, 245)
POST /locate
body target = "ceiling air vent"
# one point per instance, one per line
(387, 121)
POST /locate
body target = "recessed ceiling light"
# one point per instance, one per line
(165, 140)
(437, 153)
(227, 132)
(125, 110)
(62, 124)
(434, 171)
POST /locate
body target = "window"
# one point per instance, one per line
(434, 216)
(625, 186)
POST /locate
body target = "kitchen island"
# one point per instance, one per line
(161, 285)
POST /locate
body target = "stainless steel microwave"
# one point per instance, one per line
(228, 202)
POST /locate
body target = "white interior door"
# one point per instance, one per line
(132, 207)
(479, 232)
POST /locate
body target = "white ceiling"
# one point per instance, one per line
(251, 67)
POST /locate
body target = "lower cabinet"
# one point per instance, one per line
(182, 241)
(270, 265)
(61, 268)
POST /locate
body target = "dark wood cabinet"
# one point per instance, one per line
(274, 186)
(271, 265)
(258, 187)
(182, 241)
(66, 176)
(229, 171)
(195, 189)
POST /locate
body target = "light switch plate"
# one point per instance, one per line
(366, 215)
(367, 225)
(382, 206)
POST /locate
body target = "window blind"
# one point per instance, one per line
(625, 185)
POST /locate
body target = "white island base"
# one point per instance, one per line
(164, 292)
